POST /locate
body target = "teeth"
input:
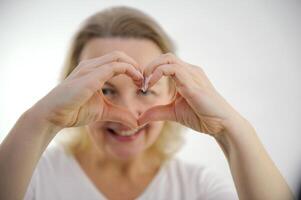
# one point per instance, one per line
(129, 132)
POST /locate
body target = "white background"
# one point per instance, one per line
(250, 50)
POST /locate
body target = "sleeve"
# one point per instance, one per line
(213, 187)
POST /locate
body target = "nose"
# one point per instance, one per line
(132, 104)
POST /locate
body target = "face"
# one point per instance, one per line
(110, 137)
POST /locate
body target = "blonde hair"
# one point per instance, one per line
(123, 22)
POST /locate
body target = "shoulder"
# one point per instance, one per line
(55, 152)
(55, 163)
(54, 174)
(54, 159)
(199, 180)
(187, 171)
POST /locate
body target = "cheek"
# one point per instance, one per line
(153, 133)
(161, 98)
(124, 151)
(94, 131)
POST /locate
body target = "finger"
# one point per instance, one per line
(112, 69)
(175, 71)
(94, 81)
(167, 58)
(158, 113)
(186, 86)
(115, 68)
(185, 76)
(115, 56)
(118, 114)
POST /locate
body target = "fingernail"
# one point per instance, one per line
(145, 83)
(140, 75)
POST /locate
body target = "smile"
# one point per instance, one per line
(128, 135)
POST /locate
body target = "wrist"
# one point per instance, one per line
(237, 125)
(237, 133)
(35, 117)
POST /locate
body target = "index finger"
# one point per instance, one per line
(114, 56)
(108, 71)
(163, 59)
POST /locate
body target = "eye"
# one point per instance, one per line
(107, 91)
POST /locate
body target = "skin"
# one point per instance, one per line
(109, 162)
(197, 105)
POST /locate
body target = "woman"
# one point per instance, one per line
(125, 92)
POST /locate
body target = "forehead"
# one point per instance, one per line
(143, 51)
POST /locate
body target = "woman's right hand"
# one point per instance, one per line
(78, 100)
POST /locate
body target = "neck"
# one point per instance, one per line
(144, 163)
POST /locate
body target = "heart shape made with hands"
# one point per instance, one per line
(148, 82)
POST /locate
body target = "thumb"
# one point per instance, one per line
(158, 113)
(119, 114)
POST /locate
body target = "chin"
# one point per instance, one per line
(114, 142)
(125, 153)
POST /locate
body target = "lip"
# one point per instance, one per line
(125, 138)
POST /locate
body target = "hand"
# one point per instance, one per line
(196, 105)
(78, 100)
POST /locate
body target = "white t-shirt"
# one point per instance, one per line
(58, 176)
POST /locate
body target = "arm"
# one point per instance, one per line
(77, 101)
(20, 152)
(254, 173)
(199, 106)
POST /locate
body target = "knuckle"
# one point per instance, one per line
(83, 63)
(104, 68)
(200, 69)
(83, 70)
(160, 68)
(196, 69)
(115, 64)
(169, 55)
(117, 54)
(111, 64)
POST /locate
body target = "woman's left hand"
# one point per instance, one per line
(196, 105)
